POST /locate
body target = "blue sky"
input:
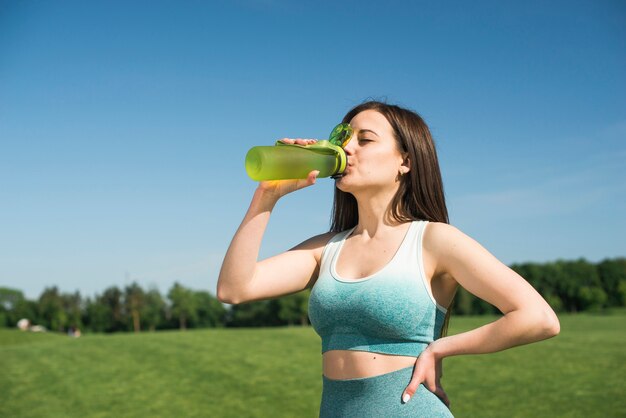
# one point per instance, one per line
(124, 125)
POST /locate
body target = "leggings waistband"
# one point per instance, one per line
(378, 396)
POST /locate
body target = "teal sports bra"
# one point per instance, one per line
(391, 311)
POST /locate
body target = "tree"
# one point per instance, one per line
(466, 303)
(611, 273)
(154, 309)
(96, 316)
(569, 277)
(14, 306)
(183, 304)
(9, 298)
(294, 308)
(585, 275)
(134, 302)
(73, 307)
(462, 304)
(621, 290)
(591, 298)
(112, 309)
(210, 311)
(263, 313)
(51, 309)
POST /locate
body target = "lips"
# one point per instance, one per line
(342, 174)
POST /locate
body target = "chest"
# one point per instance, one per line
(358, 257)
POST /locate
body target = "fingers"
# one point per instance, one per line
(427, 372)
(280, 188)
(313, 176)
(298, 141)
(301, 183)
(309, 180)
(429, 383)
(414, 386)
(416, 379)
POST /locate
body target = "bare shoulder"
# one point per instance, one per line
(444, 243)
(439, 237)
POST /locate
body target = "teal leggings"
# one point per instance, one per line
(379, 396)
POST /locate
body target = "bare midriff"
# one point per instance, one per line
(351, 364)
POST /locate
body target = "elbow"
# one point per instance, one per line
(228, 300)
(231, 290)
(225, 295)
(225, 299)
(550, 324)
(556, 327)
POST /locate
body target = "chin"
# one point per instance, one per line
(340, 184)
(344, 185)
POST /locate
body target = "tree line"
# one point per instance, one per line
(134, 309)
(568, 286)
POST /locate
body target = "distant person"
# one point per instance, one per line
(23, 324)
(73, 332)
(384, 276)
(37, 328)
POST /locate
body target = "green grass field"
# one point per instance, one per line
(276, 372)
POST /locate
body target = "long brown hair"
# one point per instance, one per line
(420, 195)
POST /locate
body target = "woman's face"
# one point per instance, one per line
(374, 157)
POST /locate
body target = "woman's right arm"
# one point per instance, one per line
(242, 278)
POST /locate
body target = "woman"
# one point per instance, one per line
(384, 275)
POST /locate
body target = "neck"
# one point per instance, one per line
(375, 212)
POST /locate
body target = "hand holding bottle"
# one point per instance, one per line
(297, 158)
(279, 188)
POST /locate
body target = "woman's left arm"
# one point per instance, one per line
(527, 316)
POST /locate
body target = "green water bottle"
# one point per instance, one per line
(292, 161)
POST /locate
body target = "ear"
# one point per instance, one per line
(406, 163)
